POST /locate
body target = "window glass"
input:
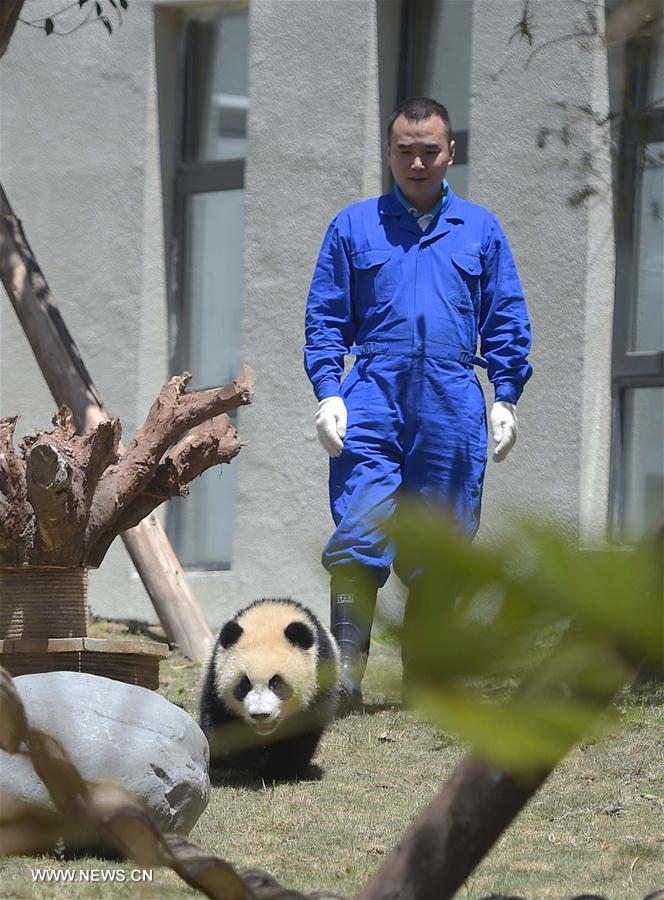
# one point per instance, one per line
(214, 229)
(643, 469)
(647, 331)
(655, 90)
(442, 66)
(218, 97)
(209, 223)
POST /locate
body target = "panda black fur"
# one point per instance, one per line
(270, 689)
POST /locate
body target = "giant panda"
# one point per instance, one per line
(270, 689)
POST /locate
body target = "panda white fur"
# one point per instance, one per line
(270, 689)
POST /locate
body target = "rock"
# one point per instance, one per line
(116, 732)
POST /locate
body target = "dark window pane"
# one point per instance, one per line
(647, 332)
(217, 96)
(655, 89)
(442, 62)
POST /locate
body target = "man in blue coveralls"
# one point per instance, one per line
(408, 282)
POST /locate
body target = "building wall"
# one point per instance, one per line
(86, 157)
(565, 255)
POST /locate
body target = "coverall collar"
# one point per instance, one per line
(390, 205)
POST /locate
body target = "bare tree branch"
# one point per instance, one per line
(173, 413)
(199, 450)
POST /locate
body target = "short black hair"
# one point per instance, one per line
(418, 108)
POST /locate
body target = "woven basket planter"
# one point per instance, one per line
(43, 602)
(44, 626)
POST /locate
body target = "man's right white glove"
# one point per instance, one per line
(503, 427)
(331, 418)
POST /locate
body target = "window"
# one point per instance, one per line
(637, 477)
(435, 61)
(208, 224)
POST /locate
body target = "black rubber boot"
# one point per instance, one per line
(353, 601)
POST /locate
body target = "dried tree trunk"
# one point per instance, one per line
(15, 514)
(70, 383)
(201, 448)
(172, 413)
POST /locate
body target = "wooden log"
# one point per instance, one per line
(15, 512)
(70, 383)
(49, 481)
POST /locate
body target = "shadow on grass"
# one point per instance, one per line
(252, 781)
(371, 709)
(134, 626)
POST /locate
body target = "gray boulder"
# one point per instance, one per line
(116, 732)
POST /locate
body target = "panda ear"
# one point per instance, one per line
(230, 634)
(299, 634)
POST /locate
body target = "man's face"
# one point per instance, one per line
(419, 154)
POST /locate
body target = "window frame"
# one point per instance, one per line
(190, 178)
(640, 125)
(406, 67)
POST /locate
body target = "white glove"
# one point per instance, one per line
(331, 418)
(503, 427)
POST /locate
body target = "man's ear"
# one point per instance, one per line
(452, 152)
(388, 150)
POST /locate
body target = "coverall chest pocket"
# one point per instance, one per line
(373, 277)
(465, 288)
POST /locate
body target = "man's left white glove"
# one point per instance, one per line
(503, 428)
(331, 418)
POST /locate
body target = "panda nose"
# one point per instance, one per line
(260, 717)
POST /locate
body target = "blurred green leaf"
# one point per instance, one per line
(520, 737)
(552, 629)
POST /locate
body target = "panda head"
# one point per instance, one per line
(266, 664)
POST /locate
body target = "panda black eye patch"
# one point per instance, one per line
(299, 634)
(280, 688)
(242, 688)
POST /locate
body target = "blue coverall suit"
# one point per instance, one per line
(411, 305)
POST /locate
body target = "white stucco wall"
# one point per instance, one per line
(79, 162)
(559, 467)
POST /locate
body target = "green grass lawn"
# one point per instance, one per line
(597, 826)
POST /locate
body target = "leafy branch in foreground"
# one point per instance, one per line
(518, 647)
(481, 620)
